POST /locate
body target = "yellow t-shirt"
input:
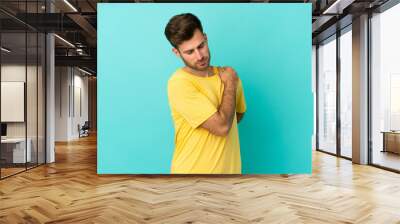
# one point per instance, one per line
(193, 99)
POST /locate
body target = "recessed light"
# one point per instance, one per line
(64, 40)
(70, 5)
(5, 50)
(84, 71)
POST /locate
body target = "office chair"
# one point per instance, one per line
(84, 130)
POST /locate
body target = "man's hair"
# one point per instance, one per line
(181, 28)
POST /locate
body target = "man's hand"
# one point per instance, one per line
(220, 123)
(228, 76)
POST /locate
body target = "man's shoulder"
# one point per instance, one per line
(178, 77)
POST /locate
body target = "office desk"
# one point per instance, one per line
(13, 150)
(391, 141)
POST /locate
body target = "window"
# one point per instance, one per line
(327, 95)
(385, 88)
(346, 93)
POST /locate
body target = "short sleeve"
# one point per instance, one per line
(192, 105)
(240, 100)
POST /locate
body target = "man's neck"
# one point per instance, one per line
(203, 73)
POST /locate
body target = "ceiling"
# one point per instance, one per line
(76, 22)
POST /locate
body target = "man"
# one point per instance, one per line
(206, 103)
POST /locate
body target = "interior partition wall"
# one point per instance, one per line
(22, 76)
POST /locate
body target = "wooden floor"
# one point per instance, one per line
(70, 191)
(5, 172)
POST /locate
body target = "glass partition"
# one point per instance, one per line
(14, 151)
(22, 77)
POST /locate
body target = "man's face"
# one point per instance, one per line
(194, 52)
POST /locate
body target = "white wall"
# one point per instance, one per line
(71, 94)
(62, 81)
(15, 72)
(81, 84)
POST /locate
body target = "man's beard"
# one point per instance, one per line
(197, 67)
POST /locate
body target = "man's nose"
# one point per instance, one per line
(199, 55)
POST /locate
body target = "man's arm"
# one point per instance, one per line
(239, 117)
(221, 121)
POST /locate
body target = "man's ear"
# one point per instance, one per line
(176, 52)
(205, 36)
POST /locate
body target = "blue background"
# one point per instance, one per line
(269, 45)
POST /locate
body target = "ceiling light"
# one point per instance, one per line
(84, 71)
(64, 40)
(338, 6)
(70, 5)
(5, 50)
